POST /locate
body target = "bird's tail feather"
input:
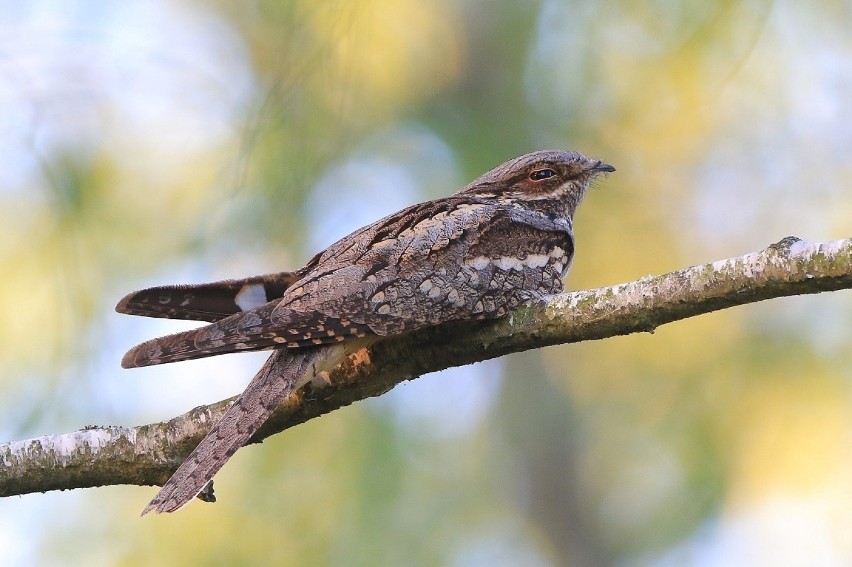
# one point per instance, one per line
(283, 373)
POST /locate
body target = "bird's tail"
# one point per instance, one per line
(283, 373)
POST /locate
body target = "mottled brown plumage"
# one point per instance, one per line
(505, 238)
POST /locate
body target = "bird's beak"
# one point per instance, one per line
(602, 166)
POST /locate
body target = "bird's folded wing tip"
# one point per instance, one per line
(121, 306)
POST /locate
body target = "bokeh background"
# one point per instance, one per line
(151, 142)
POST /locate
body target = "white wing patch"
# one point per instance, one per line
(536, 260)
(478, 263)
(507, 263)
(250, 297)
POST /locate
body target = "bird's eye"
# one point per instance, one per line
(540, 174)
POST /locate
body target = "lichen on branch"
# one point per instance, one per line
(148, 454)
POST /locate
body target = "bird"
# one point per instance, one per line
(504, 239)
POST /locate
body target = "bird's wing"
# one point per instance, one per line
(410, 270)
(209, 301)
(467, 260)
(242, 332)
(255, 329)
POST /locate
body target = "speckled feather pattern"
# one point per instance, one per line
(505, 238)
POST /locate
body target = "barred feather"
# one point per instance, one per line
(209, 301)
(503, 239)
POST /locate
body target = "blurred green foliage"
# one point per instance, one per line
(158, 141)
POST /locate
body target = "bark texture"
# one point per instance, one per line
(149, 454)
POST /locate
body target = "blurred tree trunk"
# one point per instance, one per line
(539, 421)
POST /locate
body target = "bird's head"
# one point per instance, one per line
(550, 180)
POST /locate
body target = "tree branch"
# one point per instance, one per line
(148, 454)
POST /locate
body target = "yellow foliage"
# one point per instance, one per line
(377, 59)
